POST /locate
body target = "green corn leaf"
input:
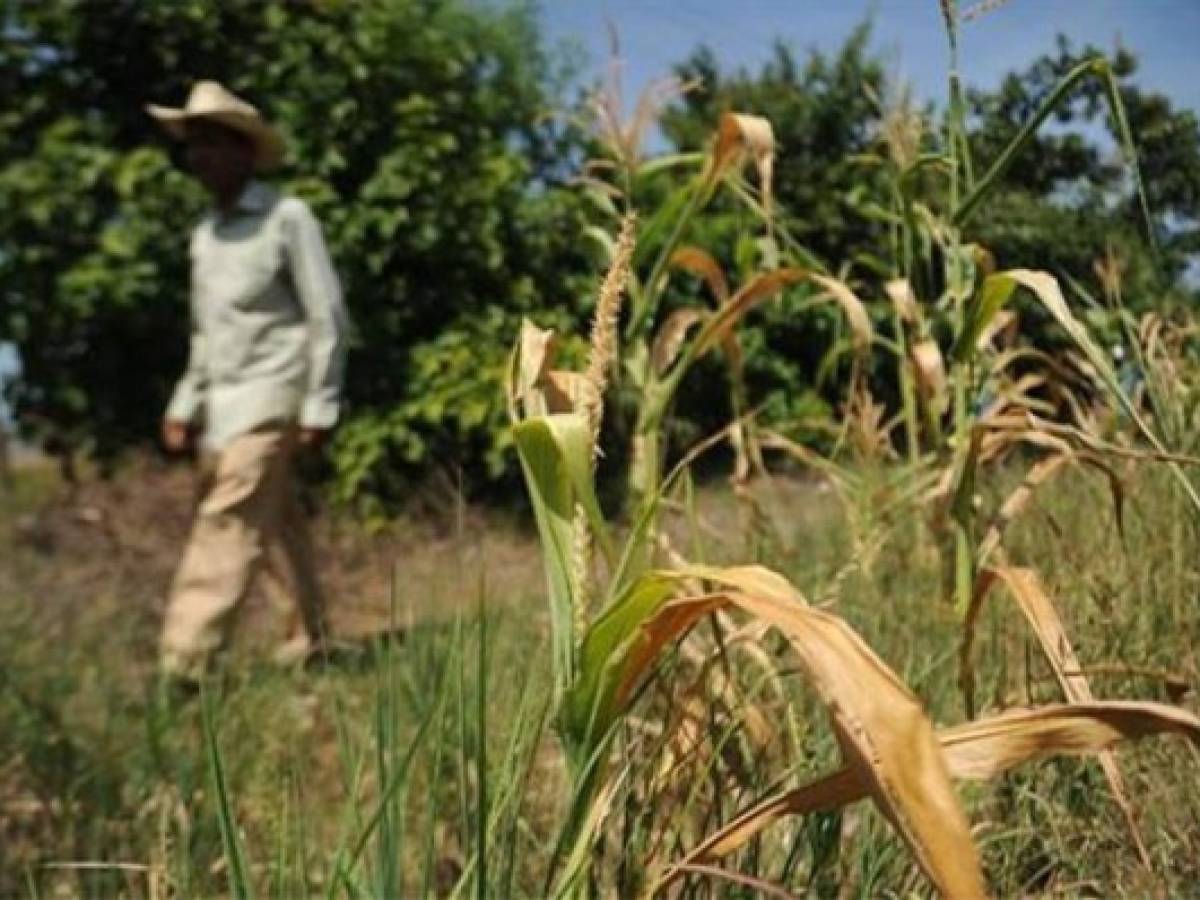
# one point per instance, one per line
(991, 298)
(592, 704)
(556, 457)
(670, 161)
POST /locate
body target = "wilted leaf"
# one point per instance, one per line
(885, 736)
(990, 747)
(737, 135)
(1026, 589)
(535, 356)
(852, 307)
(904, 301)
(931, 374)
(671, 336)
(974, 751)
(701, 263)
(564, 391)
(1018, 500)
(1046, 289)
(751, 293)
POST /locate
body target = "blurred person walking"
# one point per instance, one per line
(263, 381)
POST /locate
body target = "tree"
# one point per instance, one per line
(416, 129)
(1070, 196)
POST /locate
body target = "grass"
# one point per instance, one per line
(432, 770)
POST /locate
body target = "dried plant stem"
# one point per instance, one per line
(982, 8)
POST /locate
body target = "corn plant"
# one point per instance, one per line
(602, 659)
(939, 283)
(607, 640)
(656, 347)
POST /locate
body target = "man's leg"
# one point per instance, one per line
(290, 577)
(237, 515)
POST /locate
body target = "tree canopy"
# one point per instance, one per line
(417, 130)
(422, 132)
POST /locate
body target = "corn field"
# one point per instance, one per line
(966, 407)
(979, 620)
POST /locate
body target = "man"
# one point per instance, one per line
(263, 380)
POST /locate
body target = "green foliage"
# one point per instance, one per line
(415, 129)
(418, 131)
(1070, 195)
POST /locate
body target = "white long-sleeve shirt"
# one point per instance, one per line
(269, 327)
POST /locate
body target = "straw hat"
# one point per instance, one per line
(209, 100)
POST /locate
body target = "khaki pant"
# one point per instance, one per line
(248, 520)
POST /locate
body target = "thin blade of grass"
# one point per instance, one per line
(399, 776)
(240, 885)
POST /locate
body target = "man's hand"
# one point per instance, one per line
(176, 435)
(312, 438)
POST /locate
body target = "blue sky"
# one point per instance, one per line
(654, 34)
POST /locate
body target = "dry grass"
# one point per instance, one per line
(84, 648)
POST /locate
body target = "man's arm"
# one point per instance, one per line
(183, 412)
(321, 296)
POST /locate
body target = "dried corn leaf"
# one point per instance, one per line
(1019, 395)
(852, 307)
(1005, 322)
(1045, 288)
(887, 739)
(1026, 589)
(747, 297)
(1005, 432)
(840, 476)
(700, 263)
(671, 336)
(565, 391)
(738, 135)
(930, 369)
(974, 751)
(904, 301)
(882, 728)
(982, 750)
(1089, 440)
(535, 356)
(1018, 500)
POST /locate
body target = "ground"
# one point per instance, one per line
(103, 793)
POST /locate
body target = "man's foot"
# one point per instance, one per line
(304, 653)
(294, 652)
(333, 653)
